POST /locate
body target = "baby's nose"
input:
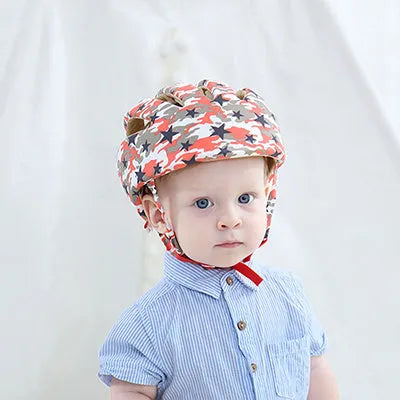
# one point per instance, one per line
(228, 222)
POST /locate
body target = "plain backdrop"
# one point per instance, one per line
(73, 250)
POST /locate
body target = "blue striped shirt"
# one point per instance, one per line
(213, 334)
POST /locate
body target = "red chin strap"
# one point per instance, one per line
(240, 266)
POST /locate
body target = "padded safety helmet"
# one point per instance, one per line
(186, 124)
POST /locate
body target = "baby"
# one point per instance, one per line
(200, 164)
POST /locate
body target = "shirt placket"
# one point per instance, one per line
(247, 331)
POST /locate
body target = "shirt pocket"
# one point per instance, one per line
(290, 365)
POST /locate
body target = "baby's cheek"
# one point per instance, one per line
(186, 227)
(258, 222)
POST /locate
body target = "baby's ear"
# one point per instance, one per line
(153, 214)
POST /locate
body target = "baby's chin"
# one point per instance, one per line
(221, 261)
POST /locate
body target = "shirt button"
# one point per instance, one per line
(241, 325)
(254, 367)
(229, 280)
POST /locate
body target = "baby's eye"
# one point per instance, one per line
(202, 203)
(245, 198)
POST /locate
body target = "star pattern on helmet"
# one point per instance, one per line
(186, 145)
(141, 107)
(219, 131)
(250, 138)
(237, 114)
(157, 169)
(261, 120)
(220, 100)
(131, 139)
(125, 163)
(168, 135)
(276, 154)
(191, 161)
(140, 174)
(145, 146)
(192, 112)
(224, 151)
(154, 117)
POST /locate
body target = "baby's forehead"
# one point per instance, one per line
(202, 175)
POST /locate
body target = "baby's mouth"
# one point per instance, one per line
(229, 244)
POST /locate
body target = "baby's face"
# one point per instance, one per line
(216, 202)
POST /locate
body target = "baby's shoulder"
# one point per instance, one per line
(281, 276)
(283, 285)
(152, 309)
(162, 291)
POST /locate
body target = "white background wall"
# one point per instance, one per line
(72, 253)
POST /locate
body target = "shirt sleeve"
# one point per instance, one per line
(129, 351)
(318, 338)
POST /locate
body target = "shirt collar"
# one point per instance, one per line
(208, 281)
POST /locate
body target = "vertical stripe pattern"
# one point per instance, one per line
(213, 334)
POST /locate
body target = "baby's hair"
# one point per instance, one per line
(269, 164)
